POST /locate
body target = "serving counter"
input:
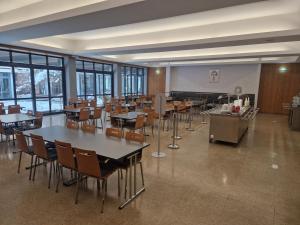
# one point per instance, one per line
(230, 127)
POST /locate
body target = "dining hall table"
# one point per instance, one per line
(103, 145)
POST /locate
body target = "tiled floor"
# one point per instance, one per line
(255, 183)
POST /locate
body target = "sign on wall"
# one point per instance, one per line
(214, 76)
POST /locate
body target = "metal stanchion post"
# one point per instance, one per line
(159, 154)
(177, 137)
(190, 120)
(203, 117)
(173, 145)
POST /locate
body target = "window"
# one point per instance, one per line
(6, 83)
(4, 56)
(94, 80)
(38, 59)
(34, 81)
(18, 57)
(132, 80)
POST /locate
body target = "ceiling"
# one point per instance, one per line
(155, 32)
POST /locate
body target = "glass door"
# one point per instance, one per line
(23, 88)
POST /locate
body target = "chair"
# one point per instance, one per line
(113, 132)
(85, 103)
(72, 124)
(118, 109)
(38, 122)
(12, 109)
(84, 115)
(2, 110)
(107, 110)
(89, 165)
(6, 131)
(42, 152)
(65, 159)
(69, 115)
(93, 103)
(139, 124)
(97, 115)
(125, 164)
(88, 128)
(150, 121)
(24, 148)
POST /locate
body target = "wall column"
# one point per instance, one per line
(70, 71)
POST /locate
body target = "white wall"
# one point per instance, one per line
(196, 78)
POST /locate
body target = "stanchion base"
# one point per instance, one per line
(159, 154)
(173, 146)
(178, 137)
(190, 129)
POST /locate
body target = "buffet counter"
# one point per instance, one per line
(230, 127)
(294, 118)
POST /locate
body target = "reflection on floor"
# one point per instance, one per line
(255, 183)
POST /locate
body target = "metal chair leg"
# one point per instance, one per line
(58, 179)
(49, 181)
(36, 159)
(119, 189)
(142, 173)
(20, 157)
(77, 188)
(104, 191)
(31, 165)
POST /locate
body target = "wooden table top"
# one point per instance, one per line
(109, 147)
(129, 115)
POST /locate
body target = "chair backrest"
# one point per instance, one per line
(113, 132)
(72, 100)
(1, 128)
(108, 107)
(151, 118)
(93, 103)
(136, 137)
(72, 124)
(88, 128)
(97, 113)
(84, 114)
(85, 103)
(118, 109)
(38, 146)
(87, 162)
(14, 109)
(140, 121)
(2, 104)
(38, 122)
(69, 107)
(65, 154)
(21, 141)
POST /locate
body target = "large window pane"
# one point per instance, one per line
(56, 85)
(99, 84)
(134, 80)
(107, 84)
(41, 83)
(4, 56)
(18, 57)
(6, 83)
(8, 102)
(79, 64)
(38, 59)
(89, 81)
(88, 66)
(80, 83)
(140, 84)
(108, 68)
(53, 61)
(23, 82)
(100, 100)
(26, 103)
(98, 66)
(57, 104)
(42, 105)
